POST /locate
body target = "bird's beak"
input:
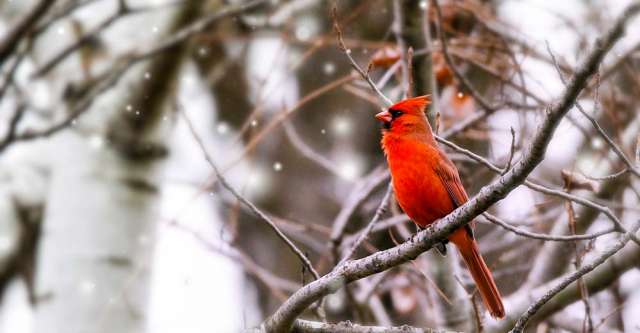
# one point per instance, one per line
(384, 116)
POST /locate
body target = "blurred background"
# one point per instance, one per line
(113, 220)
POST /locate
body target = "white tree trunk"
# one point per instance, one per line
(93, 257)
(93, 266)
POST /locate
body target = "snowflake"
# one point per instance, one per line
(329, 68)
(222, 128)
(96, 142)
(5, 244)
(87, 287)
(350, 169)
(341, 126)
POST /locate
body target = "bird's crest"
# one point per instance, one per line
(415, 104)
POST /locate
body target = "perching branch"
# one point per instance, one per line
(305, 326)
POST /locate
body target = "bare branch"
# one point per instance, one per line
(365, 75)
(463, 80)
(529, 234)
(22, 28)
(535, 307)
(264, 217)
(113, 75)
(630, 165)
(305, 326)
(365, 233)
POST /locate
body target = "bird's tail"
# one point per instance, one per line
(479, 271)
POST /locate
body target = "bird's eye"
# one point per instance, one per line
(395, 113)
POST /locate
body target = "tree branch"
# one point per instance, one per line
(22, 28)
(303, 258)
(566, 281)
(306, 326)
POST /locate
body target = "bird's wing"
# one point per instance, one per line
(448, 174)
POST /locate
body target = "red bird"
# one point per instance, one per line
(428, 187)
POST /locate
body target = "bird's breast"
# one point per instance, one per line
(417, 186)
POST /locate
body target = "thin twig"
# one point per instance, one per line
(22, 28)
(616, 149)
(533, 308)
(122, 11)
(308, 152)
(365, 233)
(365, 75)
(463, 80)
(264, 217)
(543, 189)
(519, 231)
(512, 150)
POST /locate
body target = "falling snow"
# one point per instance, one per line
(257, 184)
(350, 169)
(5, 243)
(222, 128)
(303, 33)
(87, 287)
(329, 68)
(96, 142)
(341, 126)
(143, 239)
(277, 166)
(597, 143)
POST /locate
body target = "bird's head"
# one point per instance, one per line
(406, 116)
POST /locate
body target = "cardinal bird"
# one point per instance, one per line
(428, 187)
